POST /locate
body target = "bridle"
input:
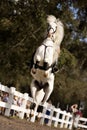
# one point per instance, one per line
(49, 28)
(52, 33)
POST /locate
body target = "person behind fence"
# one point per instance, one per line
(76, 113)
(14, 102)
(28, 115)
(48, 111)
(4, 99)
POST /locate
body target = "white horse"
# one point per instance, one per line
(44, 61)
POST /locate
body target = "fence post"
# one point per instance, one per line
(67, 119)
(34, 113)
(10, 100)
(71, 120)
(57, 117)
(43, 116)
(25, 97)
(63, 117)
(51, 115)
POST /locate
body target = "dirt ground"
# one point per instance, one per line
(18, 124)
(10, 123)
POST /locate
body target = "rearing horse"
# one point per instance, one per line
(45, 60)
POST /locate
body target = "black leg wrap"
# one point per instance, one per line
(55, 69)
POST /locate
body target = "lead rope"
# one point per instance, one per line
(45, 51)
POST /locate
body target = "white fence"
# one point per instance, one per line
(57, 117)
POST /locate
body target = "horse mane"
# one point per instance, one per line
(59, 34)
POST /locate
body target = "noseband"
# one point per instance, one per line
(50, 27)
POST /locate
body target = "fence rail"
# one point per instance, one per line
(57, 117)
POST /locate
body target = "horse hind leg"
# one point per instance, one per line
(34, 113)
(33, 93)
(34, 89)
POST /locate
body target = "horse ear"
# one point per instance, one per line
(51, 18)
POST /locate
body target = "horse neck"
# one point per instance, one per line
(48, 42)
(56, 52)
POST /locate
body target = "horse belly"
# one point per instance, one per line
(42, 75)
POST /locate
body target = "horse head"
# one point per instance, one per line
(55, 29)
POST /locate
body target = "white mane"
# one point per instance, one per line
(59, 33)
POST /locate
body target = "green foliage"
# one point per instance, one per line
(68, 59)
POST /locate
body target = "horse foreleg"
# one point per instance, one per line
(34, 113)
(33, 91)
(48, 90)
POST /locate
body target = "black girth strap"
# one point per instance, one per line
(44, 68)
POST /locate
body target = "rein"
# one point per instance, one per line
(45, 49)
